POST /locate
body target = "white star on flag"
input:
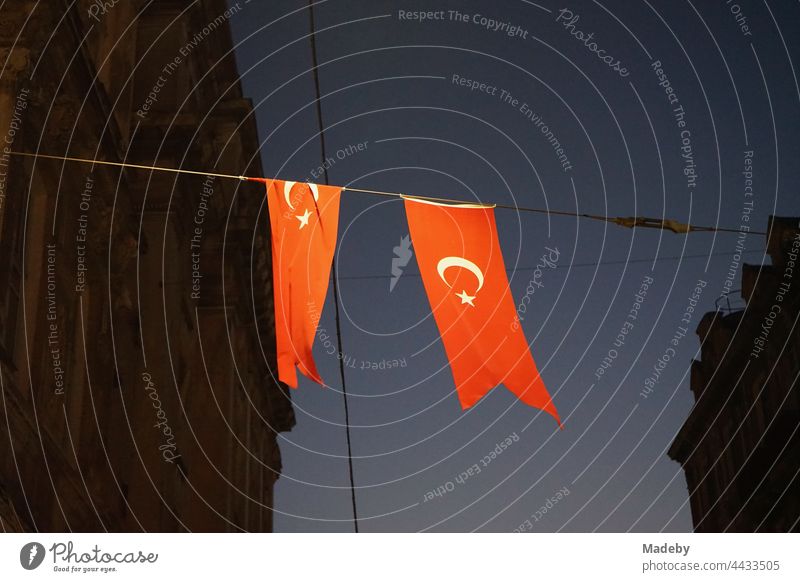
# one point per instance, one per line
(465, 298)
(304, 218)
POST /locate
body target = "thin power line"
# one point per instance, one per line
(574, 265)
(315, 69)
(126, 165)
(629, 221)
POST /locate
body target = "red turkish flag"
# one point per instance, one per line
(304, 220)
(464, 275)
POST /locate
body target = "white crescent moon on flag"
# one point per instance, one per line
(287, 191)
(448, 262)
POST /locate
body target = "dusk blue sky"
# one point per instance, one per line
(388, 82)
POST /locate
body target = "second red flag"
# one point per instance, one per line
(464, 275)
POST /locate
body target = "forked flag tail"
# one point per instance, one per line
(462, 268)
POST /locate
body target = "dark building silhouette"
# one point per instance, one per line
(740, 446)
(136, 322)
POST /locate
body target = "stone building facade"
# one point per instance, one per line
(740, 446)
(136, 326)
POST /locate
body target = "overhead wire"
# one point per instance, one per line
(624, 221)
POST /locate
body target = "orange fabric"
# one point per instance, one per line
(464, 275)
(304, 220)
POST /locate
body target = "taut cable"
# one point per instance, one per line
(315, 69)
(628, 222)
(126, 165)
